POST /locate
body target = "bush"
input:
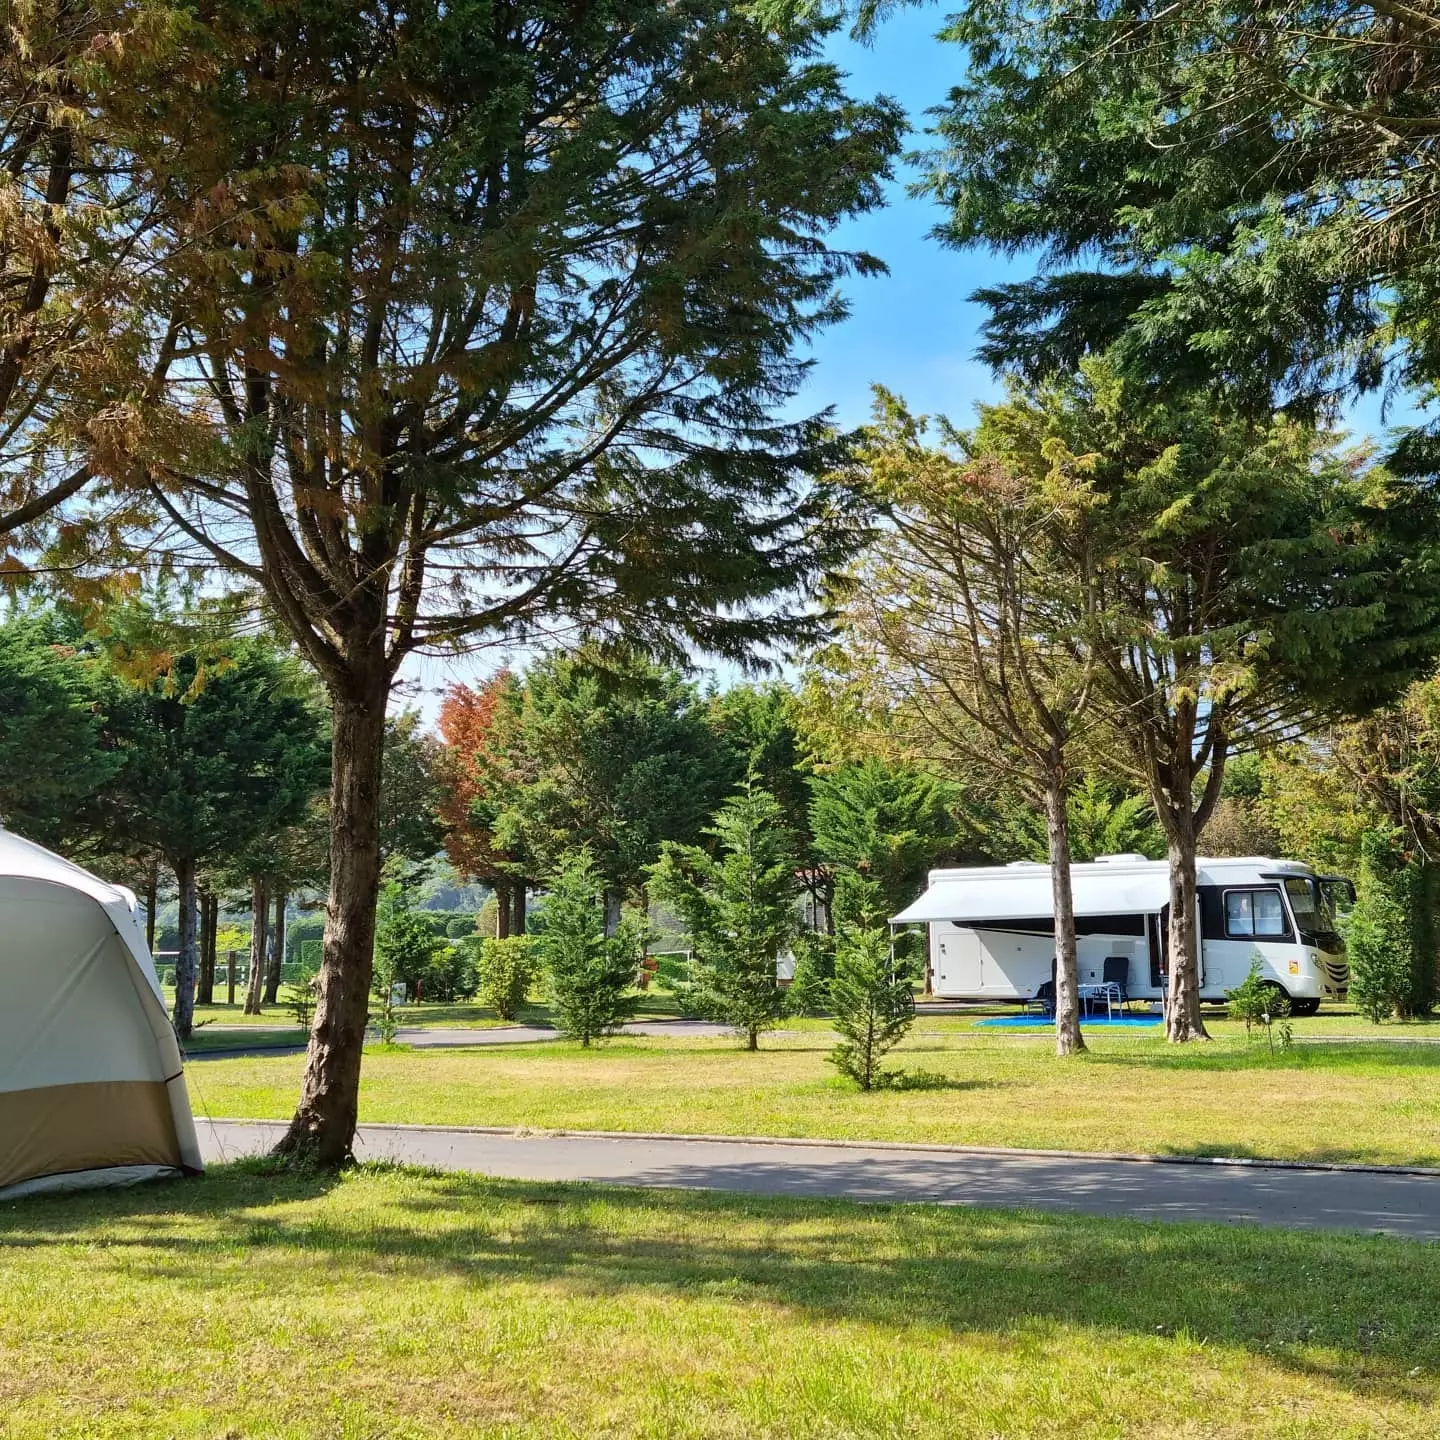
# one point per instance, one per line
(460, 925)
(874, 1000)
(1262, 1005)
(1390, 933)
(506, 970)
(487, 918)
(451, 976)
(406, 948)
(809, 992)
(300, 999)
(302, 931)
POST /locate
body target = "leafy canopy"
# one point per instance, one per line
(1232, 194)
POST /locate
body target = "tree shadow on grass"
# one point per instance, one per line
(1257, 1056)
(1356, 1312)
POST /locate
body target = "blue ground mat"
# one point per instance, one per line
(1040, 1022)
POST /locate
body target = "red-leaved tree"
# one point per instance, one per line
(468, 726)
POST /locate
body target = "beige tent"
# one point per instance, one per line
(90, 1086)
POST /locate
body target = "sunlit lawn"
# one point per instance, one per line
(271, 1036)
(1356, 1102)
(398, 1305)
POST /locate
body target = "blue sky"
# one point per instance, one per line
(914, 330)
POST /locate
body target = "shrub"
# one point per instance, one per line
(873, 997)
(1390, 933)
(451, 975)
(1262, 1005)
(487, 918)
(406, 947)
(506, 969)
(302, 932)
(300, 997)
(809, 992)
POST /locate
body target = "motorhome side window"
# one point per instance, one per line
(1255, 913)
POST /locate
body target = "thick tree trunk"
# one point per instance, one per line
(277, 949)
(503, 911)
(323, 1128)
(259, 952)
(205, 987)
(1068, 1039)
(1182, 1011)
(517, 923)
(152, 899)
(185, 962)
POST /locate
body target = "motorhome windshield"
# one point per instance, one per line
(1310, 906)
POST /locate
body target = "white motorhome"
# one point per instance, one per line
(992, 931)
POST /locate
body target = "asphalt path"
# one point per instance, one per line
(457, 1038)
(1393, 1203)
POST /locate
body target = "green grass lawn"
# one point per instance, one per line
(654, 1005)
(402, 1305)
(203, 1040)
(1354, 1102)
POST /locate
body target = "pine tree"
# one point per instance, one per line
(873, 997)
(590, 975)
(740, 910)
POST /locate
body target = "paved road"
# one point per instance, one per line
(459, 1038)
(1405, 1205)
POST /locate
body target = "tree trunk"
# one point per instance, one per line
(185, 962)
(230, 977)
(1068, 1039)
(152, 899)
(517, 924)
(259, 955)
(323, 1128)
(1182, 1013)
(205, 988)
(212, 958)
(277, 949)
(503, 911)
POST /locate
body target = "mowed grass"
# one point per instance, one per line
(1351, 1102)
(203, 1041)
(402, 1305)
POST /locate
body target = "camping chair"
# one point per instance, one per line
(1045, 998)
(1117, 973)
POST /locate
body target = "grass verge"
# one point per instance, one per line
(403, 1305)
(1359, 1102)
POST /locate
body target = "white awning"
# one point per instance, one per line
(1024, 894)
